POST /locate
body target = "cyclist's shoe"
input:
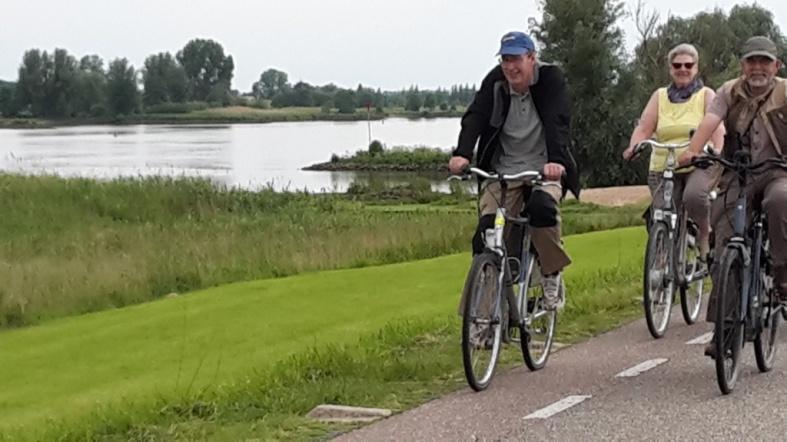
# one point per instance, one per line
(710, 349)
(552, 286)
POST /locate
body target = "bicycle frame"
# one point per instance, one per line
(497, 245)
(750, 244)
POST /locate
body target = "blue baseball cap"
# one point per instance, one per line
(516, 43)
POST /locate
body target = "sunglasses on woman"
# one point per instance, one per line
(677, 66)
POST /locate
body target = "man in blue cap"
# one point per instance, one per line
(519, 119)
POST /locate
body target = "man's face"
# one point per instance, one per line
(759, 70)
(518, 69)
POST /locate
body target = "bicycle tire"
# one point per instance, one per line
(728, 329)
(658, 286)
(691, 293)
(537, 327)
(767, 338)
(481, 322)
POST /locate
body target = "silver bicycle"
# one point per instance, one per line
(491, 290)
(672, 256)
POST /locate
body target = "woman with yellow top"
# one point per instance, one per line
(671, 113)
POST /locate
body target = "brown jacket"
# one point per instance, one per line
(771, 109)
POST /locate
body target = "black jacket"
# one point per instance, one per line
(487, 113)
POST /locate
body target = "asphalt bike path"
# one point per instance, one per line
(622, 385)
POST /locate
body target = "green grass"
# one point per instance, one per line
(250, 359)
(397, 158)
(75, 246)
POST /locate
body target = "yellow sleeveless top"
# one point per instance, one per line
(675, 121)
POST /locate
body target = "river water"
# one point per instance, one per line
(250, 156)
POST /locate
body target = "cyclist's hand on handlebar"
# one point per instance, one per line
(553, 171)
(458, 164)
(687, 157)
(628, 154)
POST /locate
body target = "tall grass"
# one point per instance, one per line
(70, 246)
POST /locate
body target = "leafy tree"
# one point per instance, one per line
(429, 101)
(90, 98)
(61, 87)
(718, 38)
(6, 98)
(32, 80)
(47, 84)
(583, 37)
(364, 96)
(344, 100)
(164, 80)
(413, 100)
(206, 67)
(122, 92)
(302, 94)
(271, 83)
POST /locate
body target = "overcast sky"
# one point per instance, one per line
(389, 44)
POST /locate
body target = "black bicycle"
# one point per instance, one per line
(747, 304)
(672, 255)
(491, 288)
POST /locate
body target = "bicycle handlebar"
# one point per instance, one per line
(529, 175)
(739, 164)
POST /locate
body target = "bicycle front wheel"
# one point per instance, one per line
(765, 343)
(537, 328)
(657, 281)
(728, 331)
(696, 277)
(481, 320)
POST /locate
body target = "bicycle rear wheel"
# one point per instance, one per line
(481, 320)
(696, 277)
(537, 328)
(657, 281)
(728, 330)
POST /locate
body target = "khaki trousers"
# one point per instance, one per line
(546, 240)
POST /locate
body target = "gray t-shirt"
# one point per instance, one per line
(522, 139)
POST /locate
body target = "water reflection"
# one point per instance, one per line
(249, 155)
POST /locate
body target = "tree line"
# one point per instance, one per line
(274, 88)
(609, 88)
(58, 85)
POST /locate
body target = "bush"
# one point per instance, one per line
(375, 147)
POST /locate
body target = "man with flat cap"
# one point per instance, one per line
(753, 108)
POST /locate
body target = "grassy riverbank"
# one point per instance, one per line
(71, 246)
(230, 115)
(249, 360)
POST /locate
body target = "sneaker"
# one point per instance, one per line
(552, 291)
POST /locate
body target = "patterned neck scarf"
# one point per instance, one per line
(682, 94)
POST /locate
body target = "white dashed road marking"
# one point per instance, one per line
(641, 368)
(701, 339)
(557, 407)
